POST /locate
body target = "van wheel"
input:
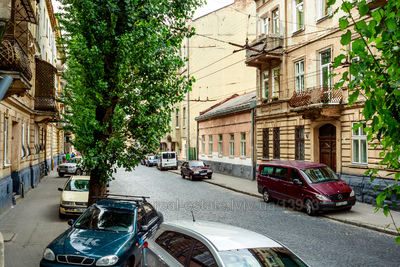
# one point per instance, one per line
(310, 209)
(190, 177)
(61, 174)
(266, 196)
(183, 176)
(78, 172)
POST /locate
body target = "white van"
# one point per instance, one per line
(167, 160)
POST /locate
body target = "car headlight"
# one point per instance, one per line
(68, 203)
(322, 198)
(209, 171)
(196, 172)
(48, 254)
(107, 260)
(352, 193)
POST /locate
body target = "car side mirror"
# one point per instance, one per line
(297, 182)
(143, 228)
(71, 222)
(60, 189)
(338, 175)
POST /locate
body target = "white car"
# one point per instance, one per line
(70, 167)
(75, 195)
(190, 243)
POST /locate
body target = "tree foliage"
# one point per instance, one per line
(122, 82)
(375, 66)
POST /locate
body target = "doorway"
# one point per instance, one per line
(327, 146)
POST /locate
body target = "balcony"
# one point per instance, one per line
(265, 49)
(372, 4)
(317, 101)
(45, 91)
(15, 63)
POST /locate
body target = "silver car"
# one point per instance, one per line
(189, 243)
(71, 167)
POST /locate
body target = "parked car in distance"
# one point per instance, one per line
(74, 196)
(309, 185)
(200, 243)
(195, 169)
(72, 166)
(111, 232)
(167, 161)
(151, 161)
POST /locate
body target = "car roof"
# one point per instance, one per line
(117, 203)
(224, 236)
(300, 164)
(79, 177)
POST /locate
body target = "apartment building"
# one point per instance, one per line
(30, 142)
(215, 60)
(299, 114)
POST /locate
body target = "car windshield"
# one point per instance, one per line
(260, 257)
(77, 185)
(320, 175)
(196, 164)
(168, 155)
(75, 160)
(106, 219)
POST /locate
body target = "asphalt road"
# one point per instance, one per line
(317, 240)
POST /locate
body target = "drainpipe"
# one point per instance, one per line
(253, 161)
(197, 142)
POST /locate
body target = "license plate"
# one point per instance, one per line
(61, 171)
(341, 203)
(80, 210)
(203, 173)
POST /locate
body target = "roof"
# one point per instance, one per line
(300, 164)
(231, 105)
(224, 236)
(119, 204)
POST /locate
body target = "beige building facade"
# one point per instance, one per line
(30, 142)
(299, 114)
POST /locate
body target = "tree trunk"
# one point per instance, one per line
(95, 189)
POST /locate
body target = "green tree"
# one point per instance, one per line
(122, 82)
(375, 65)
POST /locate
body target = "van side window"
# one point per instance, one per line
(267, 170)
(280, 173)
(295, 175)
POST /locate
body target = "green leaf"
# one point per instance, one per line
(338, 60)
(343, 23)
(346, 38)
(397, 238)
(391, 23)
(381, 197)
(363, 8)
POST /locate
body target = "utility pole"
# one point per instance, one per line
(188, 101)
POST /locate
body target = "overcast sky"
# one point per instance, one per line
(211, 6)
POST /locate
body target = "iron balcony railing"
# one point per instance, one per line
(266, 44)
(316, 95)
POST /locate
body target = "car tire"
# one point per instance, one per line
(78, 172)
(209, 177)
(61, 174)
(183, 176)
(266, 196)
(130, 262)
(309, 206)
(190, 177)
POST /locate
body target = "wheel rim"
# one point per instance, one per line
(309, 207)
(266, 196)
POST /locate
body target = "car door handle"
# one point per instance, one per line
(161, 258)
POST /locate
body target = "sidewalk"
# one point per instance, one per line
(361, 214)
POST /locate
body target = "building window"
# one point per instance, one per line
(23, 140)
(28, 150)
(37, 144)
(6, 144)
(203, 144)
(210, 145)
(275, 21)
(277, 143)
(231, 145)
(184, 117)
(324, 10)
(265, 143)
(243, 144)
(275, 82)
(299, 76)
(265, 25)
(359, 145)
(299, 143)
(298, 15)
(325, 68)
(265, 85)
(220, 144)
(177, 118)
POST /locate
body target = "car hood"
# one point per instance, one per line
(76, 196)
(333, 188)
(91, 243)
(67, 164)
(201, 168)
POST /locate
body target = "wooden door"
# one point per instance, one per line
(327, 146)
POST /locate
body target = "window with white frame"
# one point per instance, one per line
(220, 144)
(203, 144)
(325, 68)
(28, 150)
(298, 15)
(6, 144)
(323, 9)
(299, 76)
(265, 84)
(265, 25)
(359, 145)
(177, 117)
(210, 145)
(275, 21)
(231, 145)
(243, 144)
(22, 140)
(275, 82)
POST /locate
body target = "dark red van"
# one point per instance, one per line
(313, 186)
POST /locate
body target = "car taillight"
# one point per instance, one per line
(145, 244)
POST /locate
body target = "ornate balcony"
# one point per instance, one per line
(15, 63)
(317, 101)
(265, 49)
